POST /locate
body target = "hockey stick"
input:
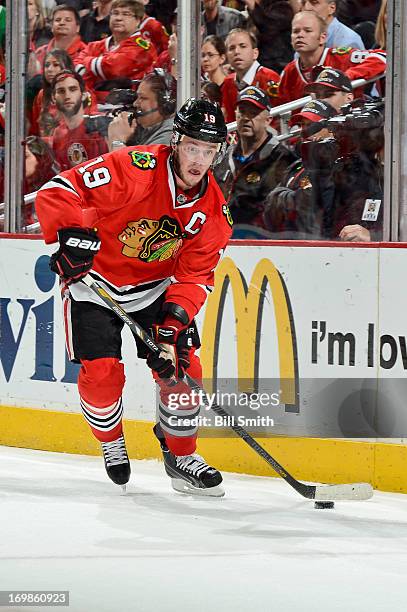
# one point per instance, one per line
(355, 491)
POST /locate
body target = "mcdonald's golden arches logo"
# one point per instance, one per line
(248, 301)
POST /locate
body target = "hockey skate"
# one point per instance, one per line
(190, 474)
(116, 461)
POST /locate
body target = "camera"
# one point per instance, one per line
(358, 129)
(121, 100)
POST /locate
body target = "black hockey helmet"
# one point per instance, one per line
(203, 120)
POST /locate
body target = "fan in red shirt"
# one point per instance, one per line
(65, 28)
(308, 39)
(242, 53)
(44, 116)
(151, 29)
(124, 55)
(149, 224)
(74, 140)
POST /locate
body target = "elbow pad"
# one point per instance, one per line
(176, 311)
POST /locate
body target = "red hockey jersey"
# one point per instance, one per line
(357, 64)
(73, 147)
(153, 240)
(264, 78)
(102, 60)
(152, 29)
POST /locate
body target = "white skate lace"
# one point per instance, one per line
(115, 452)
(194, 464)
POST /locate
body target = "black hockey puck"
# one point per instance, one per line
(323, 505)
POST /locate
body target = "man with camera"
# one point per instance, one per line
(75, 140)
(336, 191)
(152, 120)
(291, 209)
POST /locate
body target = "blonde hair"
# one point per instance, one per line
(381, 29)
(40, 21)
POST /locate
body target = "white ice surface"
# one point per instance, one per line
(65, 526)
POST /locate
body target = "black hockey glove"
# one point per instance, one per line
(172, 362)
(74, 258)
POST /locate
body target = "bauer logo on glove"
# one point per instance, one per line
(77, 249)
(84, 244)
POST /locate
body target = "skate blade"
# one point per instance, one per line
(123, 489)
(182, 486)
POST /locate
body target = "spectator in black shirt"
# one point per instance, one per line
(256, 165)
(95, 26)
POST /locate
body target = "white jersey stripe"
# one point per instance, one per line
(60, 183)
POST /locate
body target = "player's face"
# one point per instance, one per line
(210, 58)
(334, 97)
(194, 158)
(123, 22)
(68, 96)
(306, 35)
(240, 52)
(252, 121)
(323, 8)
(64, 24)
(52, 67)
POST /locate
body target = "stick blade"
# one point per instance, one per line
(358, 491)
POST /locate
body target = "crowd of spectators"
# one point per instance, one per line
(102, 74)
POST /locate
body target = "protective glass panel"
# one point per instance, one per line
(86, 62)
(315, 170)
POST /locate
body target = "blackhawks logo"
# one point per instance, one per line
(341, 50)
(77, 153)
(272, 89)
(143, 160)
(143, 43)
(151, 239)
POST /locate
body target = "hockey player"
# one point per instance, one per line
(149, 224)
(308, 39)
